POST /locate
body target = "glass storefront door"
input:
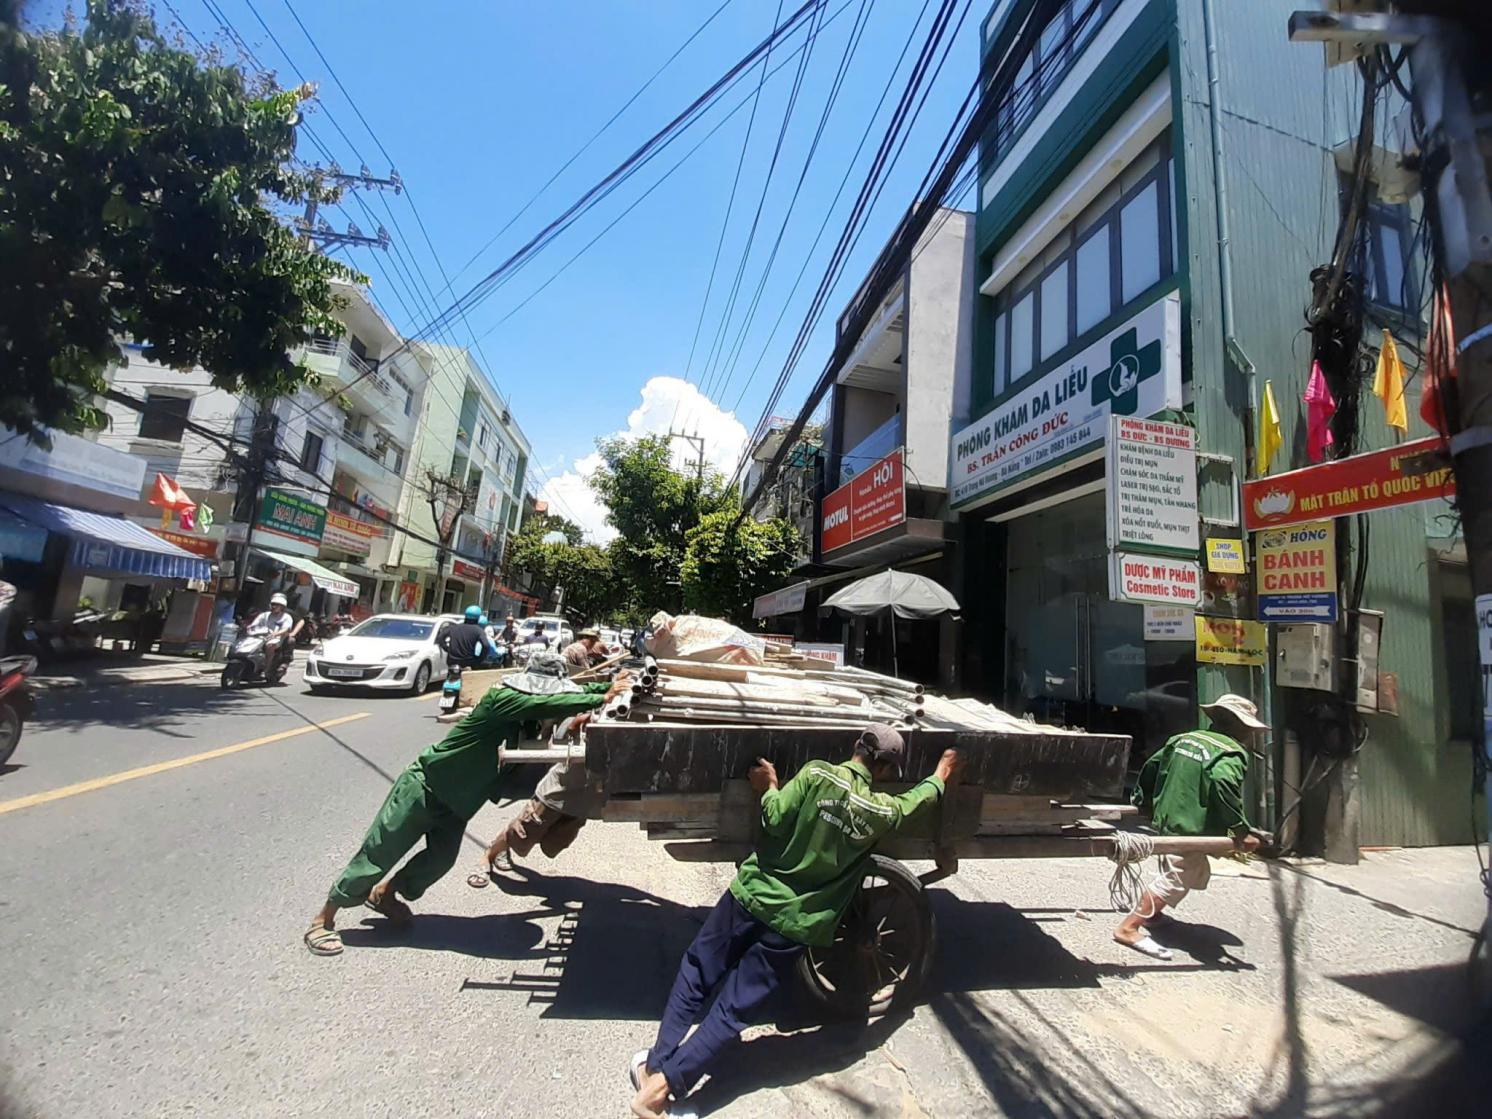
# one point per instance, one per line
(1073, 656)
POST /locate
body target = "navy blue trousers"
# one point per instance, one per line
(748, 962)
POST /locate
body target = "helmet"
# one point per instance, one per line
(278, 600)
(473, 613)
(482, 621)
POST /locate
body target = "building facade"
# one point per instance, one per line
(467, 435)
(1151, 208)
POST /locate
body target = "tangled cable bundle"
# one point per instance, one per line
(1126, 887)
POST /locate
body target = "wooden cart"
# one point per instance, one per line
(1025, 790)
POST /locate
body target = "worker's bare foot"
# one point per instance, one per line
(652, 1096)
(384, 900)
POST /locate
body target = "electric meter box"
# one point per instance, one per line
(1305, 656)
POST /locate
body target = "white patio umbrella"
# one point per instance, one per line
(900, 593)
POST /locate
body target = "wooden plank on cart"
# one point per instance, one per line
(1047, 762)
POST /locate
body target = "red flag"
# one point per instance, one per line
(1436, 401)
(1320, 407)
(167, 494)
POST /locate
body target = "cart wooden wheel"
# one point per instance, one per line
(882, 950)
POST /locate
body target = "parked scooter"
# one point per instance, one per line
(17, 702)
(247, 663)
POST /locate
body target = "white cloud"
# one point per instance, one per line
(666, 402)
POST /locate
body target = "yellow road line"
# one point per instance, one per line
(162, 767)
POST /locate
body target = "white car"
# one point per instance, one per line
(389, 651)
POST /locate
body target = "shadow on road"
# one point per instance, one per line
(162, 708)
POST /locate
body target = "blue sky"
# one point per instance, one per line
(479, 103)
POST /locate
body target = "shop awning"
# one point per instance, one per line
(324, 578)
(106, 543)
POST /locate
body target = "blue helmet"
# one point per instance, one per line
(482, 621)
(473, 613)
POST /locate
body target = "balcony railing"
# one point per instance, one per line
(365, 369)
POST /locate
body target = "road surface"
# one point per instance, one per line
(162, 847)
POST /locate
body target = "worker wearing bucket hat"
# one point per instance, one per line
(1193, 785)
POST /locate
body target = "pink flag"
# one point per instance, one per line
(1320, 407)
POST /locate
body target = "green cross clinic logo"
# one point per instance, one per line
(1129, 364)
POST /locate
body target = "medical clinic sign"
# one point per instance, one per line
(1134, 370)
(871, 501)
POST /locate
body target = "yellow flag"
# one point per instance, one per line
(1388, 384)
(1269, 428)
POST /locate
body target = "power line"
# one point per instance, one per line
(587, 145)
(787, 116)
(894, 255)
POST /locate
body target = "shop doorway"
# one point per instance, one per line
(1074, 657)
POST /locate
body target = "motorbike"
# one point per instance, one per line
(17, 703)
(450, 691)
(248, 662)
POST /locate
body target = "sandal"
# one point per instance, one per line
(323, 941)
(479, 880)
(1149, 946)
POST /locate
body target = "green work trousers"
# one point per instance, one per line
(409, 812)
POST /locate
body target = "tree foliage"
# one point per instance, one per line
(654, 506)
(592, 592)
(728, 564)
(139, 187)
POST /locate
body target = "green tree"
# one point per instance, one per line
(727, 564)
(141, 189)
(654, 506)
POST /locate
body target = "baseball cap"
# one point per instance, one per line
(885, 744)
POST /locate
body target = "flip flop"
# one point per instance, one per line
(479, 880)
(635, 1067)
(323, 941)
(1149, 946)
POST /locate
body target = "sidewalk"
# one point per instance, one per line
(108, 669)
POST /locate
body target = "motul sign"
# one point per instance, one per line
(870, 502)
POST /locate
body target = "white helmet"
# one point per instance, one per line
(278, 600)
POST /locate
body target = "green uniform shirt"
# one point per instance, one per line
(461, 769)
(1193, 785)
(817, 832)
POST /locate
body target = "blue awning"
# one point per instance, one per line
(102, 542)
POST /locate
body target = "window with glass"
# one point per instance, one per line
(1112, 255)
(1056, 48)
(310, 453)
(1387, 249)
(164, 416)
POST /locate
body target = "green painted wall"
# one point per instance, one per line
(1282, 112)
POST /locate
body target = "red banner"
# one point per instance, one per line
(870, 502)
(1402, 475)
(460, 569)
(197, 545)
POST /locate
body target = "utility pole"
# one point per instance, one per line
(250, 481)
(696, 441)
(318, 233)
(449, 497)
(1451, 87)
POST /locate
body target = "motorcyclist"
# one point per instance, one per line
(467, 644)
(274, 625)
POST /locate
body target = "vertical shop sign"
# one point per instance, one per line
(1152, 486)
(1296, 572)
(873, 500)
